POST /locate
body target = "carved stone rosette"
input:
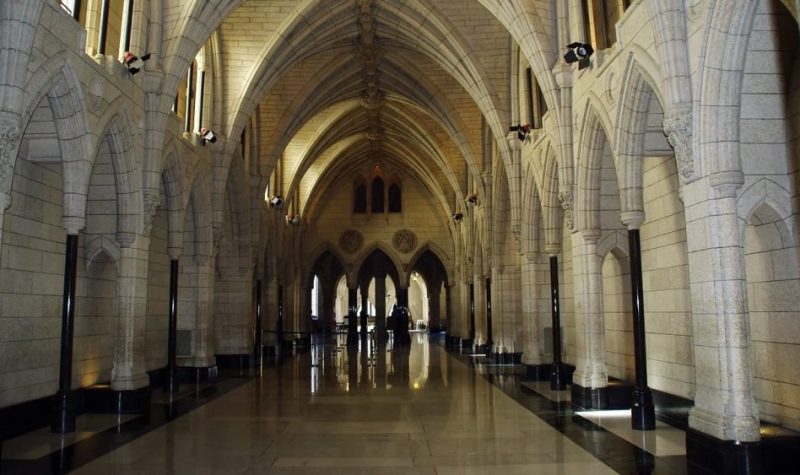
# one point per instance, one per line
(678, 129)
(351, 241)
(404, 241)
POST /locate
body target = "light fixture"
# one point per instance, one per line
(208, 135)
(523, 131)
(457, 217)
(292, 218)
(472, 199)
(579, 52)
(134, 63)
(276, 201)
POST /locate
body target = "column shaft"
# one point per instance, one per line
(172, 365)
(558, 379)
(642, 410)
(64, 421)
(259, 329)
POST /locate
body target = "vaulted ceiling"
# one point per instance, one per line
(339, 85)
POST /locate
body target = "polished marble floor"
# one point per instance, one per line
(372, 411)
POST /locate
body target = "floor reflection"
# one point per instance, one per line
(371, 367)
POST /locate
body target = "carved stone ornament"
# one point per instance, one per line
(565, 196)
(351, 241)
(9, 137)
(152, 200)
(678, 129)
(404, 241)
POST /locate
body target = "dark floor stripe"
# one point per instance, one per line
(614, 451)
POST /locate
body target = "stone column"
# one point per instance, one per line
(364, 309)
(352, 316)
(380, 309)
(259, 336)
(434, 300)
(725, 406)
(64, 420)
(129, 371)
(204, 330)
(401, 335)
(488, 300)
(9, 142)
(591, 376)
(478, 283)
(531, 351)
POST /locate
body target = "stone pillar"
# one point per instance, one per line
(488, 300)
(471, 307)
(434, 300)
(725, 406)
(531, 351)
(591, 376)
(204, 330)
(259, 337)
(380, 309)
(401, 335)
(9, 142)
(64, 420)
(279, 321)
(364, 309)
(478, 283)
(129, 350)
(352, 316)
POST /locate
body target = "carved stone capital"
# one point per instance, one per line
(565, 196)
(9, 140)
(152, 200)
(678, 129)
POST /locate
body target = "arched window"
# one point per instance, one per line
(360, 197)
(112, 21)
(184, 104)
(600, 19)
(377, 195)
(395, 198)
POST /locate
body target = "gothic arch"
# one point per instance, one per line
(594, 136)
(57, 81)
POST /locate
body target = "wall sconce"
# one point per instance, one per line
(208, 135)
(523, 132)
(134, 63)
(580, 53)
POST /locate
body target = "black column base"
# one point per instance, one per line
(559, 377)
(589, 398)
(708, 455)
(237, 361)
(64, 413)
(195, 374)
(466, 344)
(536, 372)
(643, 412)
(104, 400)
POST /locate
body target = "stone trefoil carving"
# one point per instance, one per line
(678, 129)
(404, 241)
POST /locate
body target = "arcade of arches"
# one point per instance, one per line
(370, 174)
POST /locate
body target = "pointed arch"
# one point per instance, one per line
(56, 81)
(593, 137)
